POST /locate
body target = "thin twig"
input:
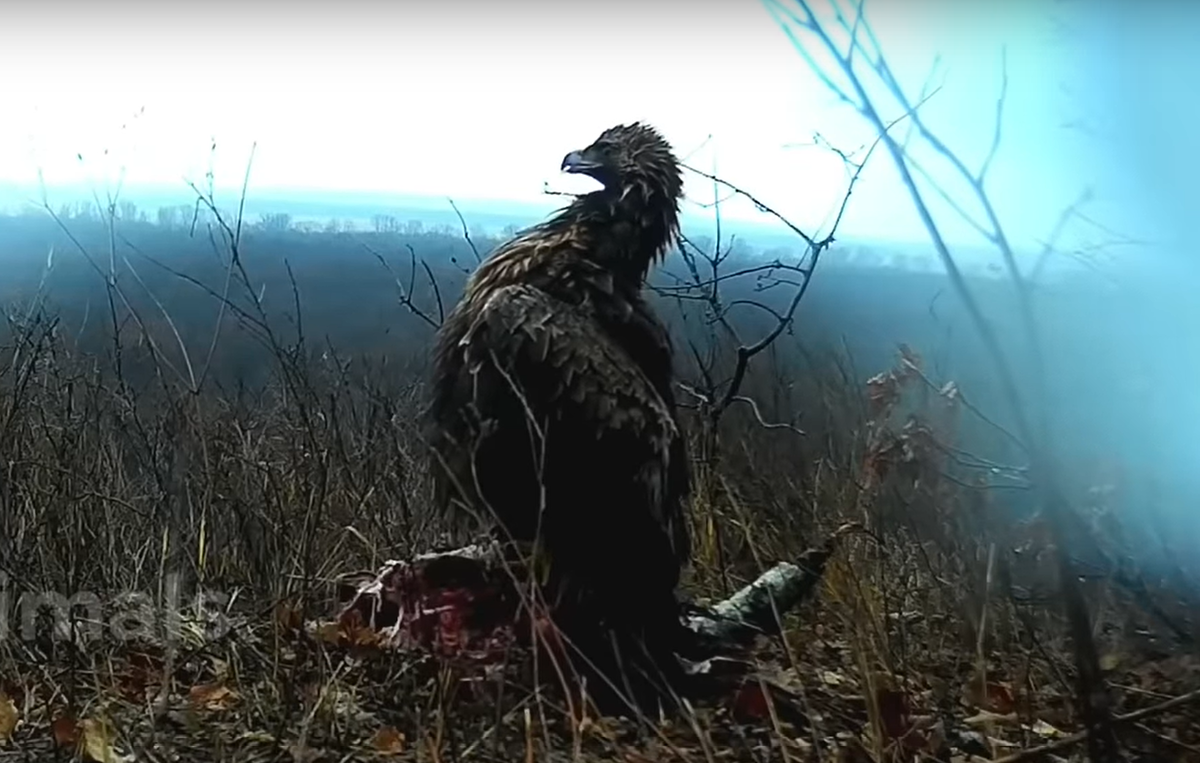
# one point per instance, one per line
(466, 233)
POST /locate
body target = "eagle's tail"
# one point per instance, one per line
(627, 650)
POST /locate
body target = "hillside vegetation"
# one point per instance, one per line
(199, 435)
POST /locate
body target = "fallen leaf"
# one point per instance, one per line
(140, 672)
(992, 696)
(1043, 729)
(329, 633)
(8, 717)
(220, 668)
(349, 630)
(388, 741)
(212, 696)
(65, 730)
(1110, 662)
(96, 742)
(288, 616)
(749, 703)
(999, 699)
(984, 717)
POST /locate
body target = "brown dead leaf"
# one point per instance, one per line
(288, 616)
(388, 741)
(212, 696)
(750, 703)
(65, 729)
(141, 671)
(995, 697)
(9, 717)
(998, 699)
(365, 637)
(348, 630)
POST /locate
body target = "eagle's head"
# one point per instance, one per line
(638, 208)
(626, 158)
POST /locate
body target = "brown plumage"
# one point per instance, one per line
(558, 313)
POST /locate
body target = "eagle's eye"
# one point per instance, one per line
(606, 151)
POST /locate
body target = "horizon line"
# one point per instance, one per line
(768, 225)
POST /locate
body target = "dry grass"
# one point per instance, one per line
(207, 525)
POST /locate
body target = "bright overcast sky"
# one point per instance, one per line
(483, 99)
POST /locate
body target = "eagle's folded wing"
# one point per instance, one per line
(559, 359)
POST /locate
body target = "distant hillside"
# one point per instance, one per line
(366, 211)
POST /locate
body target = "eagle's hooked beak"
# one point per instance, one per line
(578, 162)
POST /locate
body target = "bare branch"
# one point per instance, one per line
(406, 292)
(746, 352)
(987, 162)
(466, 233)
(759, 417)
(762, 207)
(1090, 688)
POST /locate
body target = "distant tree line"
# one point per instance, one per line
(188, 215)
(369, 292)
